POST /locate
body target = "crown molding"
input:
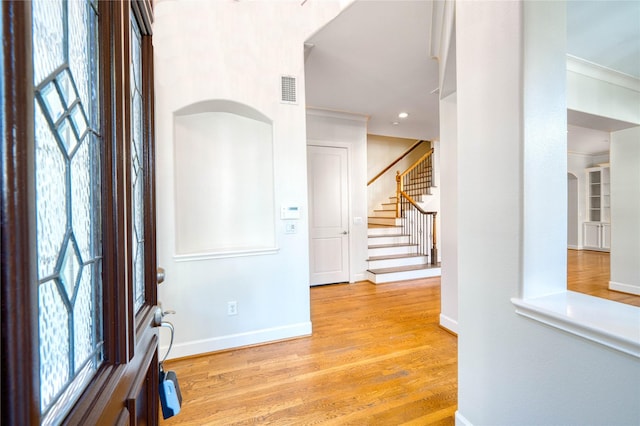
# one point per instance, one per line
(599, 72)
(334, 113)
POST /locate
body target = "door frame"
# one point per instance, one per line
(123, 376)
(348, 147)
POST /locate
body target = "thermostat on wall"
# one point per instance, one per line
(290, 212)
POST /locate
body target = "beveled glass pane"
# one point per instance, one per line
(51, 196)
(83, 324)
(54, 342)
(136, 127)
(69, 269)
(136, 59)
(138, 218)
(139, 271)
(81, 206)
(68, 138)
(79, 122)
(48, 38)
(92, 109)
(52, 102)
(66, 88)
(79, 47)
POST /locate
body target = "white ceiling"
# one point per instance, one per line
(373, 59)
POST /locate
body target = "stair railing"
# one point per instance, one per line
(417, 179)
(396, 161)
(417, 223)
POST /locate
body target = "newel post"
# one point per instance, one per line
(434, 248)
(398, 190)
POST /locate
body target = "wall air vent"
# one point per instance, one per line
(288, 90)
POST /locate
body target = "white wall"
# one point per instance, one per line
(449, 216)
(326, 128)
(625, 211)
(237, 51)
(381, 151)
(512, 237)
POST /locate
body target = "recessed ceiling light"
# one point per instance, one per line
(403, 115)
(395, 123)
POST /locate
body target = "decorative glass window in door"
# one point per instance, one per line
(137, 165)
(68, 199)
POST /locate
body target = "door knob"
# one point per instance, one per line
(158, 315)
(344, 232)
(160, 275)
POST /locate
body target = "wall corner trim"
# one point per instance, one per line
(449, 324)
(462, 420)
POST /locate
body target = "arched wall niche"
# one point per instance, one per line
(224, 184)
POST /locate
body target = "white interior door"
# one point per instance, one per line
(328, 215)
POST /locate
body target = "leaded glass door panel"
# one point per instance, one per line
(78, 265)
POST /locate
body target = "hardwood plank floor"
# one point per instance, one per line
(588, 272)
(377, 356)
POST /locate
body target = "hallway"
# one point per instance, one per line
(377, 356)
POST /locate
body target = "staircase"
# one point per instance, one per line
(391, 255)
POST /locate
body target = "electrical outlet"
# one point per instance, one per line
(232, 308)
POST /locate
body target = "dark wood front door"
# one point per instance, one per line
(79, 335)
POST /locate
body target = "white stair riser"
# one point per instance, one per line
(387, 230)
(401, 261)
(386, 251)
(402, 276)
(390, 239)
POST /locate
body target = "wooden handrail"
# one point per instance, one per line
(394, 162)
(399, 176)
(415, 204)
(417, 163)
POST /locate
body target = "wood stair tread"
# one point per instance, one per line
(391, 245)
(395, 256)
(388, 235)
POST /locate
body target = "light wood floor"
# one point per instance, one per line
(588, 272)
(377, 357)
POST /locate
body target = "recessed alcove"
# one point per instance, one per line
(224, 185)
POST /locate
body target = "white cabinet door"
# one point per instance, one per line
(591, 235)
(605, 236)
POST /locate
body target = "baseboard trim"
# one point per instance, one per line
(572, 247)
(461, 420)
(214, 344)
(449, 323)
(359, 277)
(624, 288)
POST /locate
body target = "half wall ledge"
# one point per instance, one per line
(612, 324)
